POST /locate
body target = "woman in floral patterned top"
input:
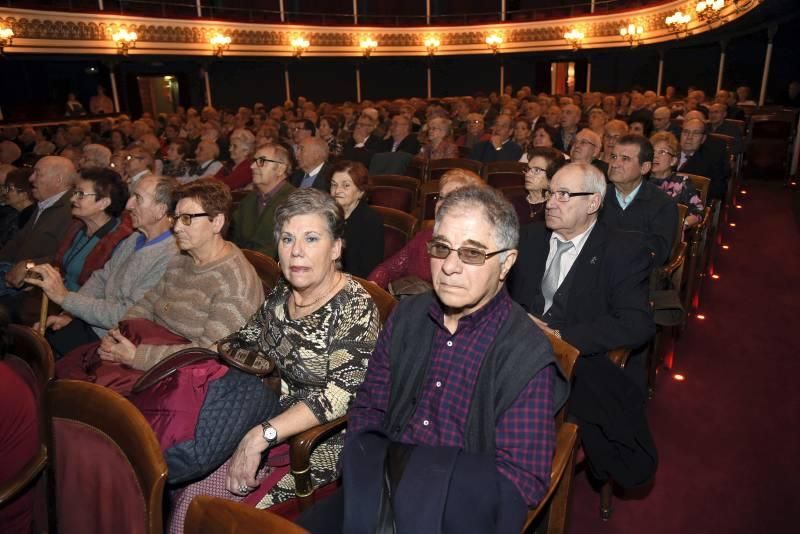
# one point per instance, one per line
(320, 327)
(665, 156)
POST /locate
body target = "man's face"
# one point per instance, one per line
(624, 168)
(142, 205)
(569, 117)
(464, 288)
(135, 163)
(610, 137)
(553, 116)
(532, 110)
(45, 180)
(400, 127)
(308, 156)
(270, 173)
(692, 136)
(610, 106)
(475, 125)
(716, 114)
(661, 119)
(299, 132)
(363, 128)
(597, 120)
(585, 148)
(572, 217)
(205, 151)
(502, 127)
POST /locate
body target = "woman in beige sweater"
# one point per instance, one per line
(208, 291)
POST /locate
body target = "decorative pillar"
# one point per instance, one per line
(199, 11)
(503, 11)
(358, 83)
(660, 82)
(589, 75)
(429, 81)
(286, 82)
(723, 45)
(100, 5)
(283, 11)
(773, 29)
(427, 11)
(208, 87)
(114, 93)
(355, 11)
(502, 77)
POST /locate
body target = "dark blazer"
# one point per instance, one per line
(711, 161)
(602, 165)
(363, 240)
(410, 144)
(652, 212)
(322, 181)
(363, 154)
(558, 142)
(39, 241)
(487, 153)
(603, 303)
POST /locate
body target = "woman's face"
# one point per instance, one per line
(89, 205)
(344, 191)
(536, 175)
(173, 154)
(542, 138)
(199, 232)
(239, 151)
(636, 128)
(307, 252)
(324, 129)
(436, 131)
(521, 132)
(663, 158)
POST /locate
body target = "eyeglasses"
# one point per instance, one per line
(468, 255)
(535, 170)
(663, 152)
(260, 162)
(564, 196)
(186, 218)
(692, 133)
(584, 142)
(80, 195)
(611, 137)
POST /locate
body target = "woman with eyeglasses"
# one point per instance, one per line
(98, 202)
(207, 292)
(319, 326)
(542, 165)
(16, 192)
(666, 149)
(412, 264)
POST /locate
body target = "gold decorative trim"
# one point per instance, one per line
(89, 33)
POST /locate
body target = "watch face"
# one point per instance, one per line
(270, 433)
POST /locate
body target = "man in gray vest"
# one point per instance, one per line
(461, 391)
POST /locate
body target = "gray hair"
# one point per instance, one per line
(310, 201)
(497, 210)
(165, 188)
(99, 154)
(593, 179)
(246, 137)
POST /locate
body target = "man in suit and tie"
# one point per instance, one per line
(579, 279)
(703, 156)
(313, 167)
(37, 241)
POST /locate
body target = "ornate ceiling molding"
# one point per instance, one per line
(88, 33)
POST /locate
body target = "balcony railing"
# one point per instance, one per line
(216, 9)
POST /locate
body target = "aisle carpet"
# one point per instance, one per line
(728, 434)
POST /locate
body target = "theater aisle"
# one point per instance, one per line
(728, 434)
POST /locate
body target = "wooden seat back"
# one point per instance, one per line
(701, 183)
(266, 268)
(501, 174)
(398, 227)
(437, 167)
(213, 515)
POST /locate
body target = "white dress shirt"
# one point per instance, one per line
(567, 258)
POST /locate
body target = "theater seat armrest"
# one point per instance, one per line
(619, 357)
(12, 488)
(300, 449)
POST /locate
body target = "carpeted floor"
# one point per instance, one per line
(727, 435)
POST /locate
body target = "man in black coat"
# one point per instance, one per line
(704, 156)
(362, 145)
(717, 114)
(499, 147)
(313, 169)
(635, 204)
(400, 137)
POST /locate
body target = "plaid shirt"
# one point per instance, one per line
(524, 435)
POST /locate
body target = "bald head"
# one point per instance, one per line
(52, 175)
(9, 152)
(313, 151)
(661, 118)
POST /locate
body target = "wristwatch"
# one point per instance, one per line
(270, 434)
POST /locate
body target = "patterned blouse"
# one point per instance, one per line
(322, 359)
(682, 189)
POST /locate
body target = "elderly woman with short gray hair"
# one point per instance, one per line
(237, 173)
(320, 327)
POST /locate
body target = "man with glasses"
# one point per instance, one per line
(586, 148)
(400, 138)
(588, 284)
(705, 157)
(499, 147)
(613, 130)
(461, 385)
(253, 222)
(634, 204)
(16, 203)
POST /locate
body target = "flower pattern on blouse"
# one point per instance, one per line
(682, 189)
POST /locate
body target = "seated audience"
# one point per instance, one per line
(94, 155)
(552, 117)
(138, 163)
(597, 121)
(328, 131)
(175, 164)
(499, 147)
(440, 144)
(568, 127)
(205, 294)
(239, 174)
(662, 175)
(38, 240)
(586, 148)
(704, 156)
(207, 163)
(18, 207)
(662, 122)
(137, 265)
(475, 131)
(313, 169)
(363, 226)
(632, 203)
(412, 260)
(9, 152)
(400, 137)
(362, 144)
(542, 165)
(319, 326)
(522, 134)
(640, 125)
(252, 224)
(98, 200)
(542, 137)
(614, 130)
(717, 113)
(469, 327)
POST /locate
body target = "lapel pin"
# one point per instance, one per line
(593, 260)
